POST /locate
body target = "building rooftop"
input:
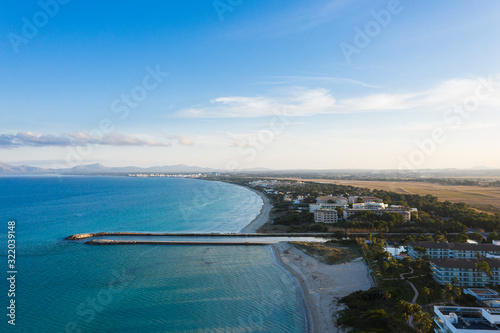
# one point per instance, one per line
(467, 319)
(491, 303)
(464, 263)
(456, 246)
(330, 197)
(483, 291)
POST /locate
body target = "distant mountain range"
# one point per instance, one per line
(23, 169)
(98, 168)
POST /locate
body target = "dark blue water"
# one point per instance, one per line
(64, 286)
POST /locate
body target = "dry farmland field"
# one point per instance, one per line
(482, 198)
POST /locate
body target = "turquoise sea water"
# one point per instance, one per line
(65, 286)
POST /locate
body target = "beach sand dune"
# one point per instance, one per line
(323, 285)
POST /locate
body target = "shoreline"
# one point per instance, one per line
(310, 317)
(263, 215)
(322, 285)
(308, 307)
(307, 304)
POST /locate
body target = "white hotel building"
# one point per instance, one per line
(336, 200)
(465, 272)
(452, 319)
(437, 250)
(391, 209)
(325, 216)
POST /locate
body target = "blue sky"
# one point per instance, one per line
(238, 84)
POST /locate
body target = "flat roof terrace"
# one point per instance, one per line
(468, 319)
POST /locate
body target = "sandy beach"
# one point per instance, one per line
(263, 216)
(322, 285)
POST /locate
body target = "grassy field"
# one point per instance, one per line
(330, 253)
(482, 198)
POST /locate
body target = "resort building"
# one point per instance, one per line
(331, 199)
(453, 250)
(400, 210)
(314, 207)
(450, 319)
(485, 297)
(369, 206)
(354, 199)
(466, 272)
(325, 216)
(482, 293)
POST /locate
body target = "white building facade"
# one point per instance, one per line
(465, 272)
(451, 319)
(325, 216)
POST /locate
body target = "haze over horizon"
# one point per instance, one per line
(240, 84)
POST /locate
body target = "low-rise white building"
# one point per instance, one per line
(354, 199)
(331, 199)
(369, 205)
(325, 216)
(437, 250)
(466, 272)
(482, 294)
(452, 319)
(314, 207)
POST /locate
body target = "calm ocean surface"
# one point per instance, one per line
(70, 287)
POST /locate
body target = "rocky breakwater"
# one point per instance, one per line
(81, 236)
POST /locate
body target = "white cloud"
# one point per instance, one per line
(299, 101)
(183, 140)
(30, 139)
(303, 79)
(291, 19)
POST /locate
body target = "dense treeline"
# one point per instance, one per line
(434, 215)
(432, 211)
(369, 220)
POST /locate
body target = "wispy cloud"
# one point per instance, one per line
(290, 20)
(30, 139)
(426, 126)
(301, 102)
(183, 140)
(299, 79)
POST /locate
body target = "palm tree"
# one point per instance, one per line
(426, 292)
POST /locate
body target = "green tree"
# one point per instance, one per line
(492, 236)
(420, 250)
(426, 292)
(422, 322)
(408, 309)
(440, 238)
(476, 236)
(340, 212)
(408, 239)
(309, 199)
(457, 292)
(462, 238)
(447, 292)
(483, 266)
(426, 237)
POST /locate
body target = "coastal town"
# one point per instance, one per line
(444, 277)
(229, 166)
(364, 260)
